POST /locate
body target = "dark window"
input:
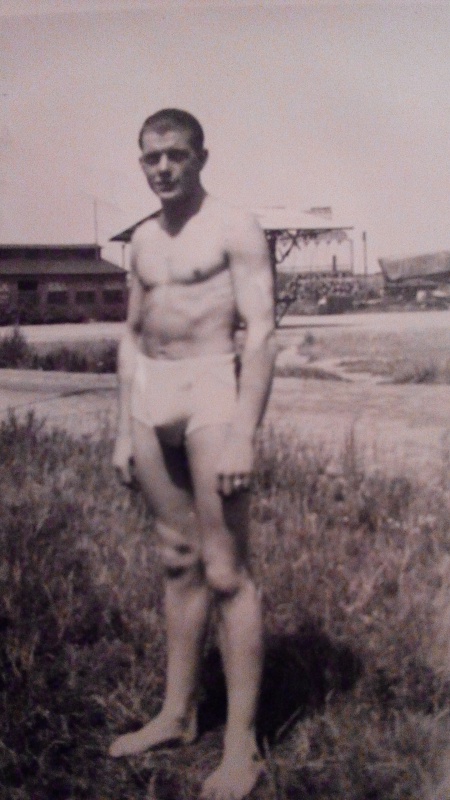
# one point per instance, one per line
(112, 296)
(27, 285)
(58, 298)
(85, 298)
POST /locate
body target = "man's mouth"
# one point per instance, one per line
(165, 187)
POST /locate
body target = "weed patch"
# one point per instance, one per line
(97, 357)
(306, 371)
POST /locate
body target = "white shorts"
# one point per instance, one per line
(193, 392)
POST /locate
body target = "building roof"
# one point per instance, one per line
(51, 248)
(73, 266)
(61, 259)
(423, 266)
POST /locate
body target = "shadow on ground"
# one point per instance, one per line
(300, 670)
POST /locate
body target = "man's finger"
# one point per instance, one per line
(246, 480)
(127, 477)
(123, 475)
(224, 485)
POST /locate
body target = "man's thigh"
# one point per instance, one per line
(163, 473)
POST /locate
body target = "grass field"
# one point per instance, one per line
(355, 575)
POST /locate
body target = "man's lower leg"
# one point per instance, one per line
(187, 600)
(241, 639)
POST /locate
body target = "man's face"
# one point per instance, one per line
(171, 165)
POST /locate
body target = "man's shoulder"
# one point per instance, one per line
(235, 221)
(230, 212)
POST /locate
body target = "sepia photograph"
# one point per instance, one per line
(224, 400)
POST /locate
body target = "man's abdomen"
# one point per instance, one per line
(183, 321)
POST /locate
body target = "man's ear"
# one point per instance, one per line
(203, 158)
(141, 164)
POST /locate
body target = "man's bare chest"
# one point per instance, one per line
(187, 258)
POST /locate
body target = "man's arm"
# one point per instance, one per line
(126, 364)
(254, 293)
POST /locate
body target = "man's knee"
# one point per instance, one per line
(224, 578)
(178, 553)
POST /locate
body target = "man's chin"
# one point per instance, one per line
(168, 195)
(165, 192)
(171, 198)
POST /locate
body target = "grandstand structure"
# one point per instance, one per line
(311, 256)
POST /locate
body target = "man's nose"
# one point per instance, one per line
(164, 163)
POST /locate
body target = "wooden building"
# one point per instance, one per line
(60, 283)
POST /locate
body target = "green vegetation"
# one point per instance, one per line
(356, 595)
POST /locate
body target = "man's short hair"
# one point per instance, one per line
(169, 118)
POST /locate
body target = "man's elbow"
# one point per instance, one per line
(128, 347)
(261, 333)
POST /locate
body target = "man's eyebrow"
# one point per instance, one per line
(157, 150)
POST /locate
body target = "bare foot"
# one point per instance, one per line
(159, 732)
(234, 779)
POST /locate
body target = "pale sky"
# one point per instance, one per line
(303, 104)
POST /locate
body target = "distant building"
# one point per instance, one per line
(417, 277)
(60, 283)
(434, 267)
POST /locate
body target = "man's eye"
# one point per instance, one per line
(151, 159)
(176, 155)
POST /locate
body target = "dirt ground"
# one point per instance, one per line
(403, 429)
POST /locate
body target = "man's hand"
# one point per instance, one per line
(123, 460)
(234, 470)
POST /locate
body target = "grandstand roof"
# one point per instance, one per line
(281, 218)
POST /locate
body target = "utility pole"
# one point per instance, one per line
(364, 238)
(95, 220)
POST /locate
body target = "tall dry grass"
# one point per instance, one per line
(354, 570)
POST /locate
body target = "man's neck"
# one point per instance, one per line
(176, 214)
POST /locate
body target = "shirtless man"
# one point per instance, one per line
(187, 424)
